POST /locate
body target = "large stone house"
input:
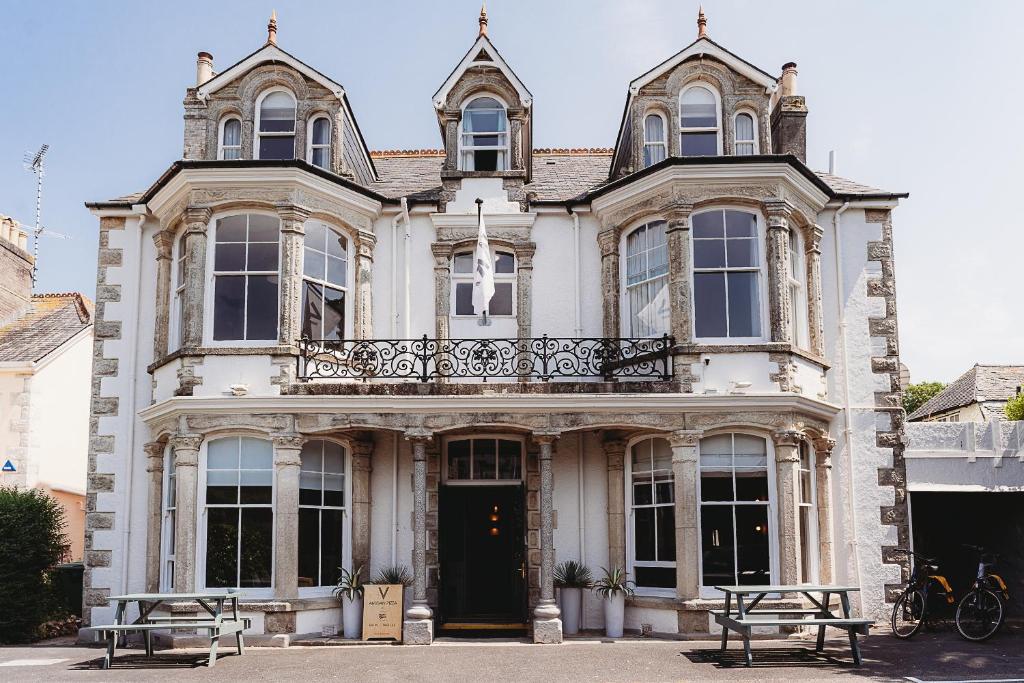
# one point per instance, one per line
(978, 395)
(689, 368)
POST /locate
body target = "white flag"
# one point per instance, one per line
(483, 272)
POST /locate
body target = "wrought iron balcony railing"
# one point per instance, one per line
(541, 358)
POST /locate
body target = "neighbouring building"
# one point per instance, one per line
(689, 368)
(978, 395)
(45, 368)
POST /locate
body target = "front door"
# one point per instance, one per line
(483, 563)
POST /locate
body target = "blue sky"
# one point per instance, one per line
(912, 96)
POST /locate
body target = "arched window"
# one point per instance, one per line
(484, 136)
(503, 302)
(275, 118)
(746, 134)
(655, 149)
(647, 304)
(230, 138)
(797, 276)
(699, 122)
(324, 282)
(320, 142)
(726, 275)
(322, 512)
(239, 513)
(245, 272)
(652, 527)
(736, 519)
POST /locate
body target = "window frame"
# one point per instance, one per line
(176, 316)
(512, 278)
(221, 147)
(346, 525)
(773, 522)
(168, 516)
(736, 142)
(259, 135)
(717, 129)
(663, 143)
(631, 561)
(348, 288)
(310, 146)
(812, 558)
(484, 436)
(504, 151)
(761, 270)
(625, 310)
(796, 282)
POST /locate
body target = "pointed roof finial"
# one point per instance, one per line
(272, 28)
(702, 23)
(483, 19)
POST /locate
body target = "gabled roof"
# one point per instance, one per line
(706, 46)
(51, 321)
(980, 383)
(490, 58)
(267, 53)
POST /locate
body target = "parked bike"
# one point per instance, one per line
(982, 611)
(918, 600)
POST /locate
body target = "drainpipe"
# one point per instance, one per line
(581, 495)
(394, 274)
(406, 325)
(394, 499)
(577, 308)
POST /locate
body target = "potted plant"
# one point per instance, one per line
(572, 577)
(394, 575)
(350, 592)
(613, 588)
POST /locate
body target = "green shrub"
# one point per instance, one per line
(1015, 407)
(32, 542)
(916, 395)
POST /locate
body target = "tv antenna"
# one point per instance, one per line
(34, 163)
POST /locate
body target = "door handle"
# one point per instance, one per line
(522, 569)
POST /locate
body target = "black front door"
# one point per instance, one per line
(483, 563)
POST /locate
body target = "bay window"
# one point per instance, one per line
(324, 282)
(245, 272)
(275, 125)
(726, 275)
(322, 511)
(807, 511)
(797, 277)
(652, 527)
(647, 303)
(167, 518)
(699, 122)
(177, 306)
(484, 140)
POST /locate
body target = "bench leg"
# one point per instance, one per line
(821, 639)
(241, 642)
(746, 650)
(214, 640)
(108, 656)
(855, 646)
(148, 635)
(725, 637)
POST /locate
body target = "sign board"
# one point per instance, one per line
(9, 467)
(382, 612)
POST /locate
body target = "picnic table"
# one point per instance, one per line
(216, 624)
(746, 615)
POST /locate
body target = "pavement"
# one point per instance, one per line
(939, 656)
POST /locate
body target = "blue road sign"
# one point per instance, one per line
(8, 467)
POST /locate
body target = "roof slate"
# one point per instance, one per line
(52, 320)
(980, 383)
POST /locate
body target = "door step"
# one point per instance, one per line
(464, 629)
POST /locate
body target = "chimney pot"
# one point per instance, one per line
(789, 79)
(204, 68)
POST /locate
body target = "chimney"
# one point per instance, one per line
(15, 271)
(204, 68)
(789, 118)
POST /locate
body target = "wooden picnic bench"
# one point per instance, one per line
(216, 624)
(745, 617)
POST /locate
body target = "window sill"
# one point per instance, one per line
(194, 351)
(452, 175)
(697, 348)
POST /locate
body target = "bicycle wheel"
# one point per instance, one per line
(908, 614)
(979, 614)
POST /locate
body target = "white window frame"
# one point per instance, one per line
(504, 151)
(773, 523)
(346, 525)
(347, 288)
(220, 136)
(211, 282)
(736, 142)
(201, 521)
(761, 271)
(631, 561)
(484, 482)
(167, 520)
(626, 314)
(257, 135)
(663, 143)
(177, 314)
(309, 139)
(717, 130)
(796, 280)
(810, 544)
(512, 278)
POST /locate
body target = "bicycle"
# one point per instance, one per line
(912, 608)
(982, 611)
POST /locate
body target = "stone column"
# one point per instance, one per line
(293, 232)
(547, 627)
(823, 495)
(154, 512)
(196, 221)
(815, 306)
(287, 462)
(679, 294)
(442, 252)
(787, 477)
(362, 465)
(450, 119)
(777, 252)
(608, 239)
(615, 452)
(524, 252)
(186, 478)
(687, 508)
(363, 323)
(419, 618)
(163, 240)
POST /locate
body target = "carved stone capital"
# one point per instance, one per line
(685, 438)
(362, 449)
(677, 213)
(418, 436)
(196, 218)
(524, 252)
(614, 447)
(292, 217)
(823, 446)
(154, 456)
(442, 252)
(780, 213)
(812, 239)
(787, 437)
(288, 441)
(545, 438)
(608, 240)
(365, 241)
(164, 240)
(186, 449)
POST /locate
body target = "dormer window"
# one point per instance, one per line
(320, 142)
(655, 149)
(230, 139)
(276, 125)
(746, 134)
(699, 122)
(484, 142)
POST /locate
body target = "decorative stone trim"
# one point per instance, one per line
(287, 462)
(823, 447)
(362, 466)
(164, 240)
(155, 475)
(615, 452)
(785, 373)
(186, 479)
(687, 505)
(197, 218)
(547, 627)
(680, 296)
(787, 476)
(293, 231)
(780, 307)
(815, 305)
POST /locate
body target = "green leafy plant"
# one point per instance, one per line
(350, 584)
(573, 574)
(916, 395)
(394, 575)
(614, 581)
(1015, 407)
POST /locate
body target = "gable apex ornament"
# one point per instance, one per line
(483, 20)
(272, 28)
(702, 23)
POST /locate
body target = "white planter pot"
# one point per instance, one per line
(614, 615)
(352, 617)
(571, 598)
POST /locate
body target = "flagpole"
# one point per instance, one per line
(479, 214)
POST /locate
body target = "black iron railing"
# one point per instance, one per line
(540, 358)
